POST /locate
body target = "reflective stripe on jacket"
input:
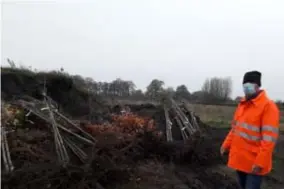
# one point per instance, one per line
(253, 136)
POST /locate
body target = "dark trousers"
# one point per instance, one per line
(249, 181)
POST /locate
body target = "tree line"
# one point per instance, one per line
(213, 90)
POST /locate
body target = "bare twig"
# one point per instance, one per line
(99, 186)
(74, 125)
(168, 125)
(195, 124)
(183, 118)
(59, 145)
(76, 150)
(33, 110)
(183, 133)
(5, 151)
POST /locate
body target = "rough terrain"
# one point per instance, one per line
(130, 151)
(119, 160)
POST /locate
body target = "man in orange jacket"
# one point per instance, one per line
(253, 135)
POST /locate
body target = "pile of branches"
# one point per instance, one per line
(181, 123)
(48, 150)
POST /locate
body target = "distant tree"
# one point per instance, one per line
(100, 88)
(116, 87)
(182, 92)
(217, 89)
(129, 87)
(121, 88)
(106, 88)
(170, 91)
(138, 93)
(155, 88)
(227, 87)
(198, 96)
(91, 85)
(79, 81)
(113, 88)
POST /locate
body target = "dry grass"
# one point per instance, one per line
(220, 116)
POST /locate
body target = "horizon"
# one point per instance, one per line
(165, 86)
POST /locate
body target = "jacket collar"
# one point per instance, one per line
(259, 99)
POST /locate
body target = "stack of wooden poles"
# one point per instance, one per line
(184, 119)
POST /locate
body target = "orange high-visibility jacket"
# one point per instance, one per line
(253, 135)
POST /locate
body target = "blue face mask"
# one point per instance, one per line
(249, 89)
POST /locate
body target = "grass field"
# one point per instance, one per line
(221, 116)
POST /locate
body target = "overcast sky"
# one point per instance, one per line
(180, 42)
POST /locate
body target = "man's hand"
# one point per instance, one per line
(256, 169)
(223, 151)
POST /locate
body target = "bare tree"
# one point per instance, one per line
(217, 89)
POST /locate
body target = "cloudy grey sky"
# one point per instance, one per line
(178, 41)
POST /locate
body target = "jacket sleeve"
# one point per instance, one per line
(229, 138)
(269, 134)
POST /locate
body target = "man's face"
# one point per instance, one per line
(250, 88)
